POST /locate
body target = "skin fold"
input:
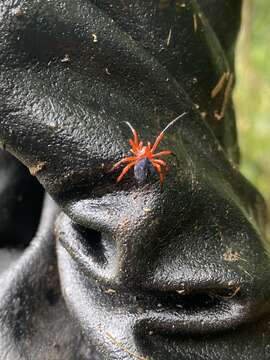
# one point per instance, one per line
(124, 270)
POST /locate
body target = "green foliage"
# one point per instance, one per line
(252, 94)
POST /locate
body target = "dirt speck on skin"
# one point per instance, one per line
(18, 12)
(181, 292)
(94, 37)
(36, 168)
(195, 23)
(235, 292)
(65, 59)
(169, 38)
(231, 256)
(227, 94)
(203, 115)
(220, 84)
(180, 5)
(110, 291)
(120, 345)
(125, 223)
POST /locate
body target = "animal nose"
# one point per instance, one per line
(179, 240)
(192, 264)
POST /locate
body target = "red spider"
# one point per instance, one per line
(144, 158)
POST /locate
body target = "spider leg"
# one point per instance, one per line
(159, 162)
(160, 136)
(160, 173)
(164, 152)
(122, 161)
(132, 143)
(158, 140)
(125, 170)
(133, 146)
(135, 134)
(162, 163)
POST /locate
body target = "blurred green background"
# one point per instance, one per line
(252, 94)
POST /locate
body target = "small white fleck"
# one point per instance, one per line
(180, 292)
(110, 291)
(169, 38)
(94, 36)
(17, 12)
(65, 59)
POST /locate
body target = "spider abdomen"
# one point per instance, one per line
(142, 168)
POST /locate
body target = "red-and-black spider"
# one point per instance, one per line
(144, 159)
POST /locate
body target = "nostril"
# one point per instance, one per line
(91, 243)
(191, 302)
(92, 250)
(194, 300)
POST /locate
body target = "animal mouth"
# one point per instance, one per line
(201, 313)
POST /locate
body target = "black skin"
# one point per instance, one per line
(125, 271)
(21, 201)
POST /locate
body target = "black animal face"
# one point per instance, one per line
(144, 274)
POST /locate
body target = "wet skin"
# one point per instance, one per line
(137, 273)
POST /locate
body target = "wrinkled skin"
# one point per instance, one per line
(125, 271)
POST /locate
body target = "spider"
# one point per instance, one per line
(144, 158)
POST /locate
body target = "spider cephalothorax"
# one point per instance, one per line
(144, 159)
